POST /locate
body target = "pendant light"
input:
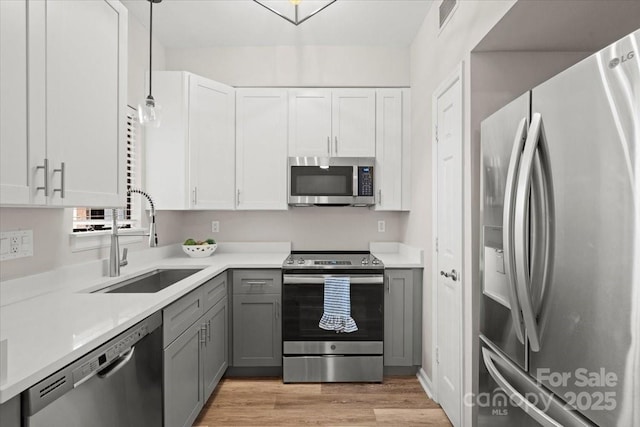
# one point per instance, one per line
(149, 112)
(297, 20)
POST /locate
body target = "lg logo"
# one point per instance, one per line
(624, 58)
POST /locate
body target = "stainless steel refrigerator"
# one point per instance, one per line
(560, 268)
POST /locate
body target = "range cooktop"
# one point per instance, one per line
(332, 259)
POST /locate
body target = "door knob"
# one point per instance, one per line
(453, 275)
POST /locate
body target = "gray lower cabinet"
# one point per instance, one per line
(216, 348)
(257, 323)
(402, 317)
(196, 360)
(183, 392)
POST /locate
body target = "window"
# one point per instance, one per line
(86, 219)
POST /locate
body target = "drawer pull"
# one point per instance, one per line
(256, 282)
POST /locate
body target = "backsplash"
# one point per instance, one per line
(308, 228)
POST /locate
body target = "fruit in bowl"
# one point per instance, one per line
(199, 248)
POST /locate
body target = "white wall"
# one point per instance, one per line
(434, 56)
(51, 226)
(296, 65)
(322, 228)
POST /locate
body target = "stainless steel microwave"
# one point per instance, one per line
(334, 181)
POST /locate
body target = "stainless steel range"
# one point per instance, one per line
(316, 350)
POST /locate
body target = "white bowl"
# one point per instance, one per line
(199, 251)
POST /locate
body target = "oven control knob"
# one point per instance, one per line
(333, 347)
(375, 261)
(301, 261)
(365, 261)
(289, 261)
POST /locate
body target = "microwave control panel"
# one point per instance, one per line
(365, 181)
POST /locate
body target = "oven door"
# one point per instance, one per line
(303, 305)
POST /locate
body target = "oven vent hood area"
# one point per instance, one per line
(331, 181)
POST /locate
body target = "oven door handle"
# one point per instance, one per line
(315, 279)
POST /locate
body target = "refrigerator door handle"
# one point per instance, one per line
(507, 227)
(516, 397)
(535, 141)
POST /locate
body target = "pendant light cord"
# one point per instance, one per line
(150, 44)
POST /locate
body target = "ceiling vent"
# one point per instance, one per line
(447, 8)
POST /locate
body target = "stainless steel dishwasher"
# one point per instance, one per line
(119, 384)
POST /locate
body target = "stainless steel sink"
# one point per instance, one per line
(151, 282)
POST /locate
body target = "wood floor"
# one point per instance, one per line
(399, 401)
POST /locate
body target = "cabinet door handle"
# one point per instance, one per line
(328, 146)
(238, 198)
(203, 335)
(380, 197)
(209, 330)
(195, 195)
(61, 189)
(388, 284)
(45, 166)
(336, 144)
(277, 310)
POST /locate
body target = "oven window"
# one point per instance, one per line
(314, 181)
(303, 307)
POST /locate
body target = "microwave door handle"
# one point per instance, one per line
(355, 181)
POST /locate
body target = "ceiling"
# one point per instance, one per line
(570, 26)
(210, 23)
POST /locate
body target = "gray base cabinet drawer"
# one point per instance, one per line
(214, 290)
(178, 316)
(257, 281)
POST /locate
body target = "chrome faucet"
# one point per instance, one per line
(114, 254)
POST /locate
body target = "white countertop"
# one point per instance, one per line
(49, 320)
(397, 255)
(47, 329)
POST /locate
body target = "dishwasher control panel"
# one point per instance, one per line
(107, 356)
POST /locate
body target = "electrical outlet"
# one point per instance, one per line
(215, 226)
(16, 244)
(382, 226)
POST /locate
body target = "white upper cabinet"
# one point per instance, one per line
(211, 142)
(190, 158)
(354, 122)
(332, 122)
(310, 123)
(261, 149)
(393, 157)
(75, 106)
(14, 145)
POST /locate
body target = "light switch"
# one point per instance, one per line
(4, 245)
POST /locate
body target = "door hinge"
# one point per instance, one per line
(436, 244)
(436, 133)
(437, 356)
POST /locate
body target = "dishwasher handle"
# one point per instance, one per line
(117, 364)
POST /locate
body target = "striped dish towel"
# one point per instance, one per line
(337, 305)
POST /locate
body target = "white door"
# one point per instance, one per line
(261, 149)
(448, 154)
(211, 144)
(353, 123)
(310, 126)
